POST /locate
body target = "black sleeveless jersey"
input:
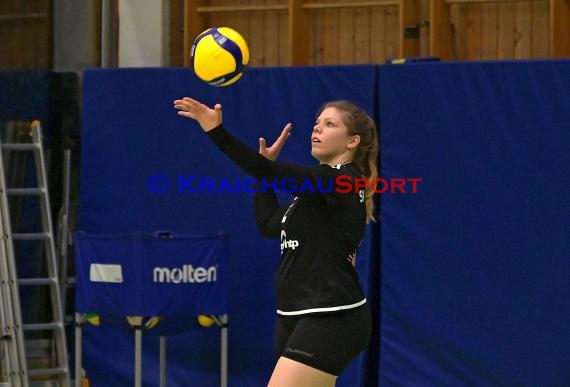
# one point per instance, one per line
(320, 230)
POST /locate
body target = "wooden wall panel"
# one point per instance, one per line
(315, 38)
(480, 30)
(330, 35)
(495, 30)
(423, 21)
(392, 34)
(25, 35)
(346, 35)
(346, 46)
(176, 49)
(458, 31)
(540, 27)
(362, 33)
(298, 27)
(473, 31)
(251, 23)
(284, 55)
(271, 35)
(357, 35)
(559, 29)
(216, 19)
(523, 23)
(489, 31)
(506, 37)
(378, 43)
(408, 17)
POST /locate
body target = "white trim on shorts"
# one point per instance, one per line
(328, 309)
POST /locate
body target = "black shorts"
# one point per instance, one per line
(325, 341)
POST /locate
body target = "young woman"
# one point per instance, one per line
(323, 321)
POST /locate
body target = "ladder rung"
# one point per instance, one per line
(25, 191)
(31, 236)
(36, 281)
(42, 326)
(20, 147)
(47, 371)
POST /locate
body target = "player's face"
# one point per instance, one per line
(330, 138)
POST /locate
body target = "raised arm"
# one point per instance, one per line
(257, 164)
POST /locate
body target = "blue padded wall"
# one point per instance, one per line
(475, 266)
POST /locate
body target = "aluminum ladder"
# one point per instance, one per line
(18, 344)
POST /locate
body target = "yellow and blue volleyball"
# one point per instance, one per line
(219, 56)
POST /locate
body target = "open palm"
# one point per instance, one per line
(207, 117)
(273, 151)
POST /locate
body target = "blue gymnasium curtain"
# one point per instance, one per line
(144, 168)
(475, 265)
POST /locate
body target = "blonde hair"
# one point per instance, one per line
(365, 158)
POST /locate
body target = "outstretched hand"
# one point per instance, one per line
(207, 117)
(273, 151)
